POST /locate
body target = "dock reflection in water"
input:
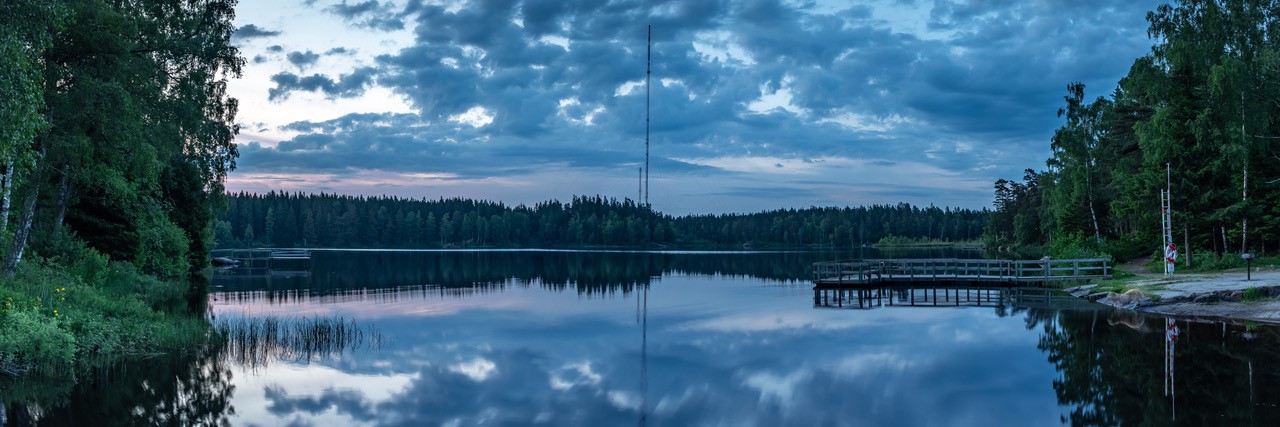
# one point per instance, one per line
(948, 296)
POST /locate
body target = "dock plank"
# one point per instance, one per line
(865, 272)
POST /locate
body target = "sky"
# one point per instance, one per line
(754, 104)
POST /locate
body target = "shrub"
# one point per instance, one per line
(1126, 248)
(30, 341)
(1252, 294)
(162, 247)
(1214, 263)
(51, 319)
(1075, 245)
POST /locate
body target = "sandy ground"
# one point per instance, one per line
(1215, 296)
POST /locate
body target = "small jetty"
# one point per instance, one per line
(900, 295)
(870, 273)
(268, 259)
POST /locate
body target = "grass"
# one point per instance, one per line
(255, 342)
(1252, 295)
(56, 319)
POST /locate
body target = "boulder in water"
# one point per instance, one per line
(224, 262)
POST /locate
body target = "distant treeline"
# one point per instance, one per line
(335, 273)
(279, 219)
(1204, 102)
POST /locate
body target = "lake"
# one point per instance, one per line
(557, 338)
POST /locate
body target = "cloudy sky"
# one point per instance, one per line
(756, 104)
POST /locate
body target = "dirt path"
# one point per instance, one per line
(1137, 266)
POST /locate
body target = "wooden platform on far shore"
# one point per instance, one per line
(878, 272)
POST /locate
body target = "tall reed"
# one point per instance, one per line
(257, 341)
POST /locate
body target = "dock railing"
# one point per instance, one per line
(873, 271)
(269, 258)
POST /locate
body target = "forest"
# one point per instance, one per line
(279, 219)
(1197, 114)
(116, 134)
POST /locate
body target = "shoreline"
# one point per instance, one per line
(1224, 296)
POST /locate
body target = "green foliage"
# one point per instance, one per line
(1125, 247)
(909, 241)
(29, 340)
(26, 28)
(162, 247)
(1019, 213)
(20, 100)
(130, 147)
(53, 320)
(1252, 294)
(1203, 105)
(1214, 263)
(63, 248)
(1075, 245)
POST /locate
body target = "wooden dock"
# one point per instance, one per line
(877, 272)
(269, 259)
(899, 295)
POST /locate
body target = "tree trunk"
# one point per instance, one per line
(23, 231)
(1214, 242)
(1224, 240)
(6, 187)
(1244, 235)
(64, 194)
(1097, 235)
(1186, 245)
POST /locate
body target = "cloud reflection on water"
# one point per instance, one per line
(727, 352)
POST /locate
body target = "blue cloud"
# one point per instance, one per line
(302, 60)
(973, 90)
(346, 85)
(370, 14)
(251, 31)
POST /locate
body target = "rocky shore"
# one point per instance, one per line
(1215, 296)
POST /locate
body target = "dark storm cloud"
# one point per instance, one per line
(370, 14)
(977, 96)
(251, 31)
(346, 402)
(302, 60)
(405, 143)
(340, 51)
(345, 86)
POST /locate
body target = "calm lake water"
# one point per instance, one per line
(624, 338)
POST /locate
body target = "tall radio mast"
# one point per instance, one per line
(648, 62)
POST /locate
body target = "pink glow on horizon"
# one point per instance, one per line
(366, 182)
